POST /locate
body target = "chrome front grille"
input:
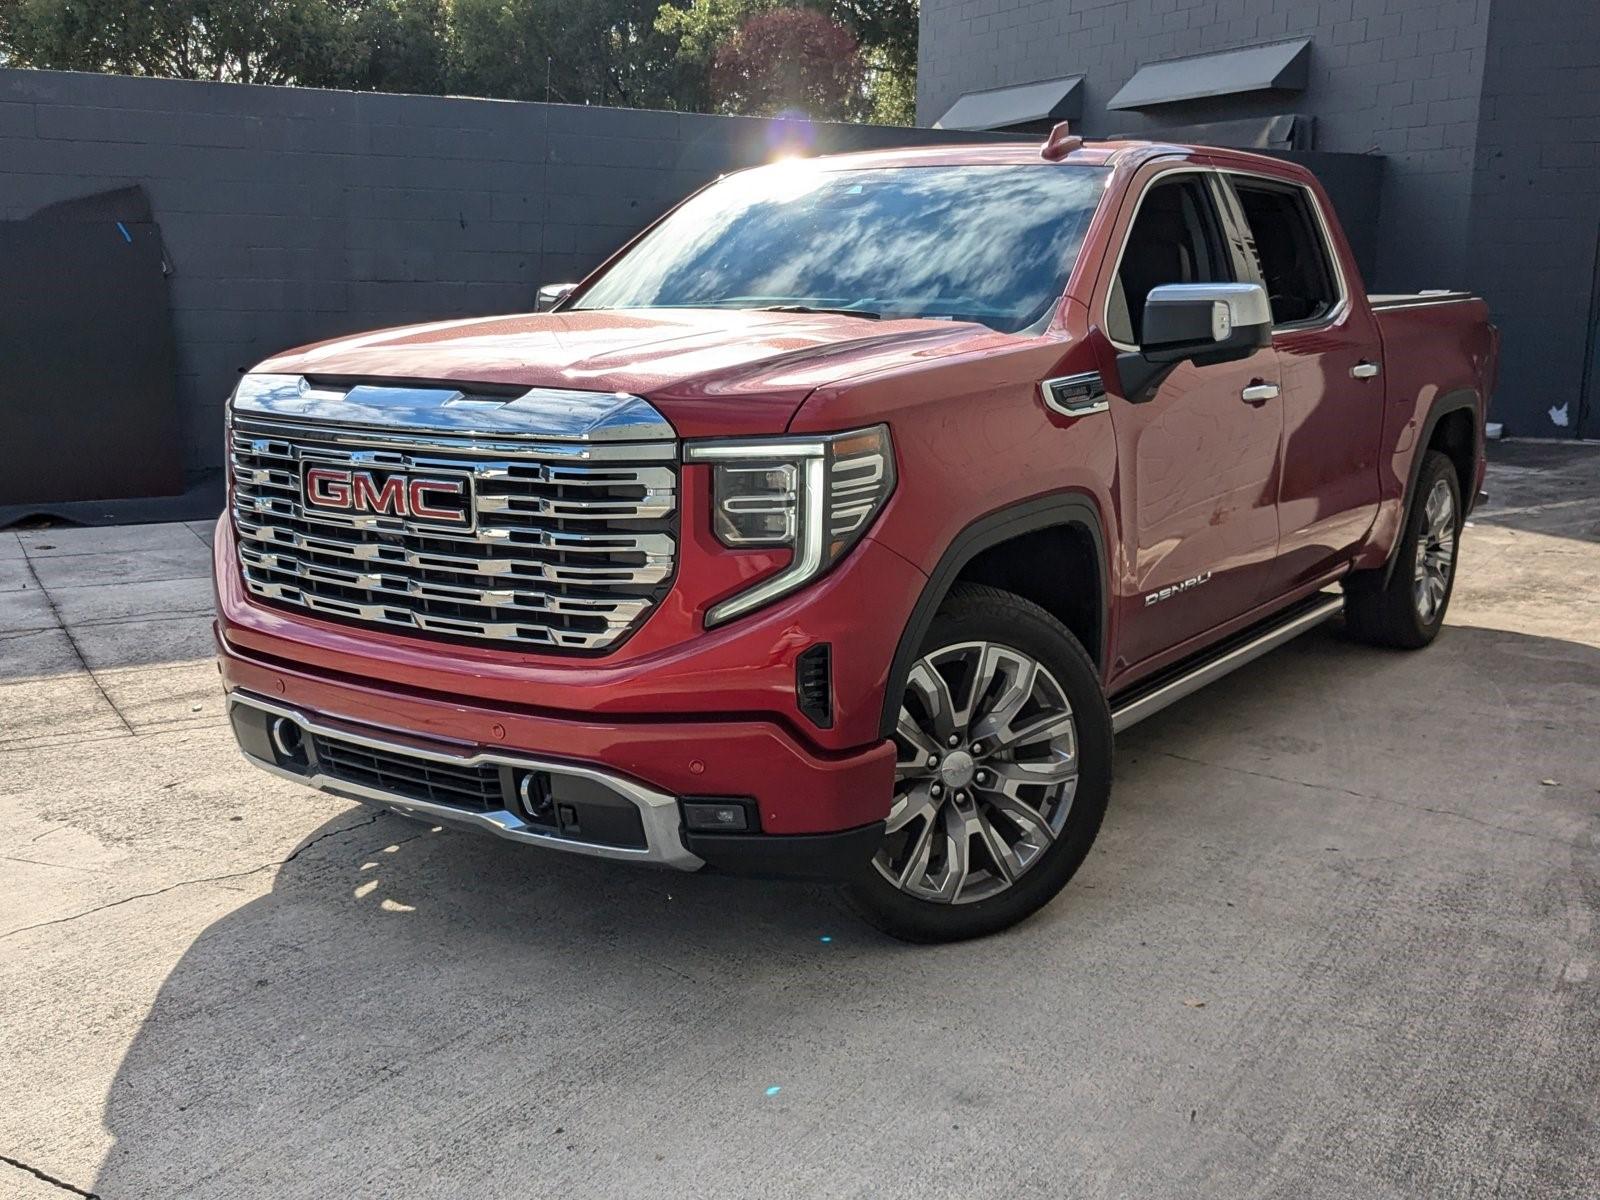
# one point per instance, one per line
(567, 545)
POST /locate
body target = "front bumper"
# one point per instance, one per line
(611, 817)
(815, 815)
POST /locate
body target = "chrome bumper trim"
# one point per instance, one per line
(658, 811)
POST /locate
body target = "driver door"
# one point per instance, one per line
(1198, 451)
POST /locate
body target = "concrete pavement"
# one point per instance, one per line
(1337, 939)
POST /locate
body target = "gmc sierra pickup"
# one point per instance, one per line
(833, 526)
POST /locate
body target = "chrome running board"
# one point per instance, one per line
(1149, 699)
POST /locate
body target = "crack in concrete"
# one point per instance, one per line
(45, 1177)
(1390, 800)
(40, 863)
(373, 819)
(77, 651)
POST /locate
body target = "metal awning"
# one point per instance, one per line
(1283, 66)
(1020, 104)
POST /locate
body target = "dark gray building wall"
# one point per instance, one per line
(1536, 210)
(1396, 77)
(292, 215)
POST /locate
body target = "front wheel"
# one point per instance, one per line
(1003, 773)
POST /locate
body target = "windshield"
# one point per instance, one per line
(992, 244)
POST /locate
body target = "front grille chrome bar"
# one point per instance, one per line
(563, 546)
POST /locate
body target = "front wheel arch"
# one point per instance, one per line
(1071, 510)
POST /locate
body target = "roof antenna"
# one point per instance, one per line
(1061, 142)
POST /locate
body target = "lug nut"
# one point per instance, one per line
(961, 797)
(977, 747)
(982, 777)
(933, 761)
(953, 740)
(936, 790)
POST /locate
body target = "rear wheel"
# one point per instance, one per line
(1407, 610)
(1004, 769)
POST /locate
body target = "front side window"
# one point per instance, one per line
(1174, 239)
(991, 244)
(1293, 257)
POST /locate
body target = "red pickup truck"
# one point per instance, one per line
(833, 526)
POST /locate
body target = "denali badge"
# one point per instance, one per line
(440, 500)
(1167, 593)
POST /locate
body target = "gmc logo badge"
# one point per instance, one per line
(438, 500)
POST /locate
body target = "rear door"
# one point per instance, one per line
(1197, 457)
(1330, 359)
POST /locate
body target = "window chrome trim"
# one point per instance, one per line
(1221, 175)
(1342, 306)
(550, 414)
(658, 811)
(1177, 168)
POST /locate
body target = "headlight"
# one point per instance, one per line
(814, 494)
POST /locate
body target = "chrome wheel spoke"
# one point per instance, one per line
(957, 857)
(1044, 771)
(907, 808)
(1019, 673)
(1052, 727)
(915, 871)
(922, 747)
(1035, 828)
(1001, 854)
(931, 689)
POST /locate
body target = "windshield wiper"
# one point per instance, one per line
(806, 308)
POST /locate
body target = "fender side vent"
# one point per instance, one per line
(813, 684)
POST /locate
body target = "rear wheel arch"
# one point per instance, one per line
(997, 549)
(1451, 427)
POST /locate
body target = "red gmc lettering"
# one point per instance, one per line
(328, 489)
(443, 487)
(397, 495)
(369, 497)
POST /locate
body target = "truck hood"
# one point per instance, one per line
(709, 371)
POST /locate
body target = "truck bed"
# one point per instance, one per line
(1414, 299)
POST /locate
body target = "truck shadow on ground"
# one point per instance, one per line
(403, 983)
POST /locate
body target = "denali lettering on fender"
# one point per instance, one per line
(394, 494)
(1167, 593)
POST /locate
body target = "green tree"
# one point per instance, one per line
(249, 41)
(577, 51)
(396, 46)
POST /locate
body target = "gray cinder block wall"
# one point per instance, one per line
(292, 215)
(1486, 112)
(1535, 233)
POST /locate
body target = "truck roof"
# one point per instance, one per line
(1019, 153)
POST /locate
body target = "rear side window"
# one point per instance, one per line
(1290, 249)
(1174, 239)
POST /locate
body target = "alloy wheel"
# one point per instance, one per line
(986, 773)
(1436, 551)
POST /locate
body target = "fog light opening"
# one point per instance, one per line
(287, 738)
(533, 793)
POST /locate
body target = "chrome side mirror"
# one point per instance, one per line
(552, 294)
(1201, 323)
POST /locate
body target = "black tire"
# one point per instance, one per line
(1388, 612)
(976, 613)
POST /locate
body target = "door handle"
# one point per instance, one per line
(1364, 370)
(1259, 393)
